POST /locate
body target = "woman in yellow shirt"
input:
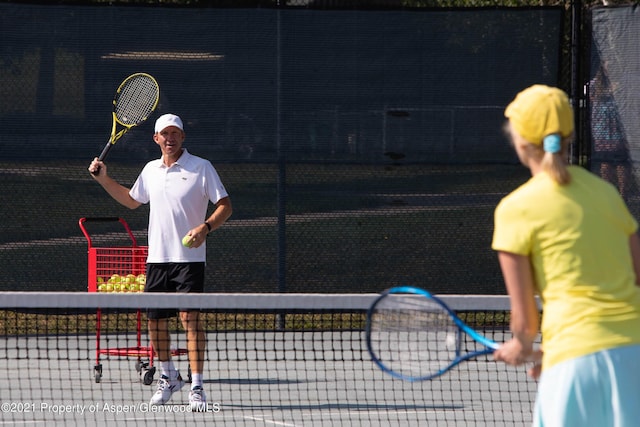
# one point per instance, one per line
(568, 236)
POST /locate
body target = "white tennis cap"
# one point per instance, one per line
(167, 120)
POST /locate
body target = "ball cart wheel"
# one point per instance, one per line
(148, 376)
(98, 373)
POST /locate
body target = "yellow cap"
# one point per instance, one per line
(539, 111)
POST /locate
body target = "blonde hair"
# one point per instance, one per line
(555, 164)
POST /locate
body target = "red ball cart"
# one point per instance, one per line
(120, 269)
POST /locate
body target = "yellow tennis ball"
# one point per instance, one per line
(186, 241)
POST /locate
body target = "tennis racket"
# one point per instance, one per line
(136, 99)
(414, 336)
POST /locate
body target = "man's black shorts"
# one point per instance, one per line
(170, 277)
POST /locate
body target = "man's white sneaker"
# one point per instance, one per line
(166, 388)
(197, 399)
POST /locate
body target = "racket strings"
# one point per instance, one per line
(136, 100)
(414, 336)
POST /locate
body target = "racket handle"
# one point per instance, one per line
(105, 150)
(102, 156)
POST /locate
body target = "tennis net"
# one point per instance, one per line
(270, 359)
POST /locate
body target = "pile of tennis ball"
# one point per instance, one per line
(122, 283)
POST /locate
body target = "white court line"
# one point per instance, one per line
(278, 423)
(24, 423)
(369, 412)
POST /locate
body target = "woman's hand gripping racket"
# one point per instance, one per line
(136, 99)
(414, 336)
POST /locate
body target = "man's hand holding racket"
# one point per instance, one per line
(98, 168)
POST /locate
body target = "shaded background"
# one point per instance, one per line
(361, 148)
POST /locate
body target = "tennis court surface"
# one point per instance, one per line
(271, 360)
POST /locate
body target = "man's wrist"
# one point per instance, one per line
(208, 227)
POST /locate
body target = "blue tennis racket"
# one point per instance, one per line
(414, 336)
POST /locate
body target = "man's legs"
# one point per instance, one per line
(159, 280)
(160, 339)
(195, 340)
(180, 278)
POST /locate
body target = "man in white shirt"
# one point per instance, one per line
(179, 187)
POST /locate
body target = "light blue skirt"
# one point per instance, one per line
(600, 389)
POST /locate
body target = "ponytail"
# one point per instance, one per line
(554, 159)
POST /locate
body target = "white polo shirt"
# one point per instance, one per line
(179, 198)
